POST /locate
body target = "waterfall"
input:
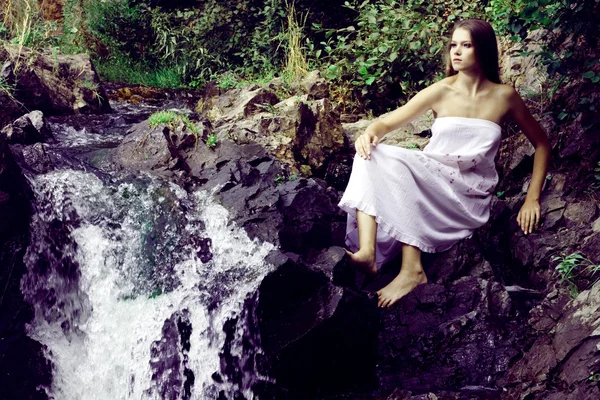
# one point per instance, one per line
(115, 266)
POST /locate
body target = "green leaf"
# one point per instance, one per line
(370, 80)
(588, 74)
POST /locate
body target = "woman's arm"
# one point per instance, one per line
(529, 215)
(415, 107)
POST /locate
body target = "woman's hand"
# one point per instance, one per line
(363, 144)
(529, 216)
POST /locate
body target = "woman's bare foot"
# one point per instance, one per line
(402, 285)
(364, 261)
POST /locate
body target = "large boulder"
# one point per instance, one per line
(564, 362)
(437, 334)
(55, 83)
(301, 132)
(318, 338)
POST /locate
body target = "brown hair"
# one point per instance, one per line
(485, 45)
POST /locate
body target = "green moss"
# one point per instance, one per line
(172, 118)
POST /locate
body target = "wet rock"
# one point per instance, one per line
(14, 198)
(37, 159)
(56, 83)
(171, 377)
(562, 362)
(435, 335)
(28, 129)
(318, 338)
(310, 218)
(147, 149)
(24, 371)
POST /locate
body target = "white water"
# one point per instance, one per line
(109, 358)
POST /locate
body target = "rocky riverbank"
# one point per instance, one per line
(495, 322)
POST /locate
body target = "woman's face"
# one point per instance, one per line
(462, 52)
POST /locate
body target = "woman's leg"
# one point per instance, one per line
(364, 258)
(411, 274)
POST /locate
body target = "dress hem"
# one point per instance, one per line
(350, 206)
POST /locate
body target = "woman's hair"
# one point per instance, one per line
(485, 45)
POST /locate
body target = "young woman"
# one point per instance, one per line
(408, 201)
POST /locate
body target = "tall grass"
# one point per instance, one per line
(122, 69)
(295, 61)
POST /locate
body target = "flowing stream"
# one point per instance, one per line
(132, 279)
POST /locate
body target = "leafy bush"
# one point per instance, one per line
(219, 36)
(393, 50)
(574, 266)
(118, 27)
(568, 26)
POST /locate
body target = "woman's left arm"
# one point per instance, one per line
(529, 215)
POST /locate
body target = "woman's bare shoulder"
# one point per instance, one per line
(442, 87)
(446, 83)
(505, 91)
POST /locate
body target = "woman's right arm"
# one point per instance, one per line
(415, 107)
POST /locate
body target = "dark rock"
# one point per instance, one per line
(577, 214)
(338, 171)
(24, 371)
(317, 337)
(563, 362)
(147, 149)
(435, 336)
(172, 379)
(308, 213)
(456, 262)
(591, 246)
(328, 260)
(56, 83)
(28, 129)
(14, 202)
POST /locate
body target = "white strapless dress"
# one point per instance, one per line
(429, 199)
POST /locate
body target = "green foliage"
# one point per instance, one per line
(121, 68)
(211, 140)
(171, 118)
(571, 267)
(282, 178)
(393, 50)
(219, 36)
(568, 26)
(8, 90)
(116, 26)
